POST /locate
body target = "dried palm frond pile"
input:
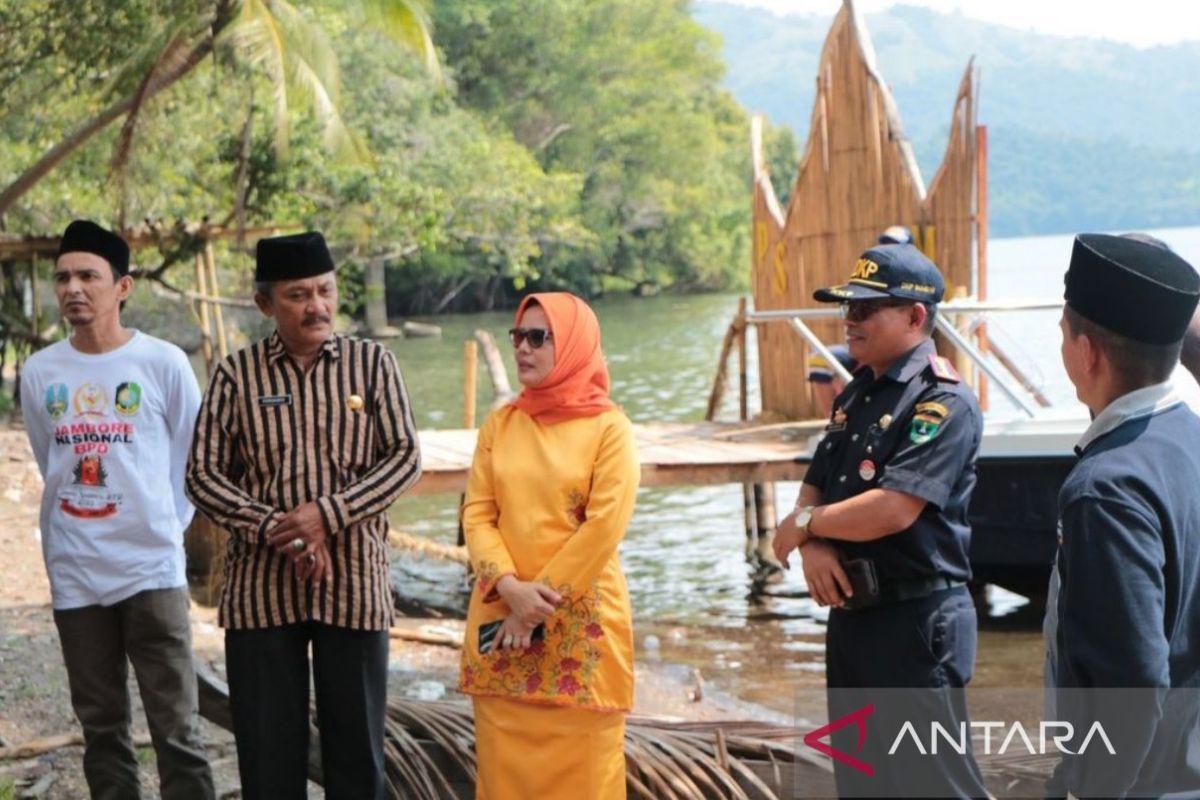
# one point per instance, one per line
(430, 756)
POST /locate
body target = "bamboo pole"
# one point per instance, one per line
(719, 380)
(470, 379)
(495, 365)
(1020, 375)
(205, 325)
(981, 242)
(962, 321)
(751, 492)
(214, 286)
(743, 392)
(470, 372)
(766, 521)
(33, 293)
(141, 236)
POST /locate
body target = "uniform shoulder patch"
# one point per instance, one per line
(935, 409)
(927, 421)
(943, 369)
(924, 428)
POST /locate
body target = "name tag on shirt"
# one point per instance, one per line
(268, 400)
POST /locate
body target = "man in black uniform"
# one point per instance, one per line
(1126, 647)
(881, 521)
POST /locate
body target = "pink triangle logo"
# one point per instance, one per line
(859, 718)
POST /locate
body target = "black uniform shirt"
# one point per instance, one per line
(915, 429)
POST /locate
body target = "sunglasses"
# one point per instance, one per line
(535, 336)
(859, 310)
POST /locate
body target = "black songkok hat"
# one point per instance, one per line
(1140, 291)
(85, 236)
(289, 258)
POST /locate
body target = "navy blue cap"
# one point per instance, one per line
(85, 236)
(289, 258)
(889, 270)
(1137, 289)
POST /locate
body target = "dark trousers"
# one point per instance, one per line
(268, 692)
(150, 630)
(925, 647)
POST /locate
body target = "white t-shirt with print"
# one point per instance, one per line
(111, 433)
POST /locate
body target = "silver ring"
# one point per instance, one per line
(312, 558)
(297, 544)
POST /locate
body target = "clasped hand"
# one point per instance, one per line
(529, 604)
(304, 524)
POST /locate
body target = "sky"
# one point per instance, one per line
(1143, 23)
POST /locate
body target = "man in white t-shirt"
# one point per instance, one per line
(110, 413)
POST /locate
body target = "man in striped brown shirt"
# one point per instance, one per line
(303, 441)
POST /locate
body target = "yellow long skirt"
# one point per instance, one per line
(535, 752)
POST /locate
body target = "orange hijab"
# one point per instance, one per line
(577, 385)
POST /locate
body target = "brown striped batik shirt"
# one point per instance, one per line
(271, 437)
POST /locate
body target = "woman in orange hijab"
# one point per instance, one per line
(551, 491)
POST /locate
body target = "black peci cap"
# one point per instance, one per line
(85, 236)
(1136, 289)
(289, 258)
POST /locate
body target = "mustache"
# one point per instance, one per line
(317, 318)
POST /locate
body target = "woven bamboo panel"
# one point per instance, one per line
(858, 175)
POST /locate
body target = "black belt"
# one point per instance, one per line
(900, 591)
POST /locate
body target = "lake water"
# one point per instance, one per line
(683, 553)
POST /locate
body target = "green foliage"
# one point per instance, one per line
(580, 144)
(624, 94)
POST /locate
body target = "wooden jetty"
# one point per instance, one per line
(671, 454)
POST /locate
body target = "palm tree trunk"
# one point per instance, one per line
(375, 299)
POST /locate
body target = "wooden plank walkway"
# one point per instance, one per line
(671, 454)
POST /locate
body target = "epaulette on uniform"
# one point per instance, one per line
(943, 369)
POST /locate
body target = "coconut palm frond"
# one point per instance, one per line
(301, 66)
(315, 78)
(256, 38)
(148, 55)
(406, 22)
(430, 753)
(663, 759)
(311, 59)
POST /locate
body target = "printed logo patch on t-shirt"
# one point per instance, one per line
(90, 401)
(86, 497)
(57, 400)
(128, 398)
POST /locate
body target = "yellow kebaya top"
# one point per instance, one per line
(550, 503)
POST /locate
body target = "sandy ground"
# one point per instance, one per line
(34, 700)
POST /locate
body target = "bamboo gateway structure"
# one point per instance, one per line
(857, 176)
